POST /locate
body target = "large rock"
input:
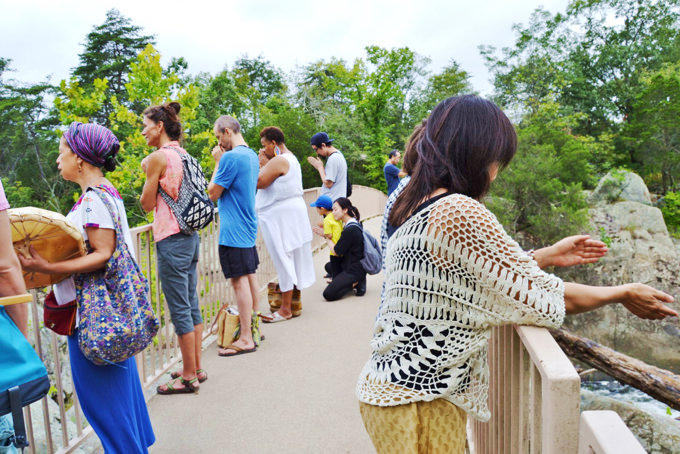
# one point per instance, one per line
(657, 434)
(641, 251)
(620, 185)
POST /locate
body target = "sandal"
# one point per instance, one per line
(199, 372)
(187, 389)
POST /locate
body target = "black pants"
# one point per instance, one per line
(334, 267)
(342, 284)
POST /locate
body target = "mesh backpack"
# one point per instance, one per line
(372, 259)
(193, 209)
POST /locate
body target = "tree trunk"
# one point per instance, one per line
(660, 384)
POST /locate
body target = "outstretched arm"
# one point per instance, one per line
(640, 299)
(570, 251)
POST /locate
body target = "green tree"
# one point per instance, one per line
(653, 132)
(110, 49)
(540, 194)
(591, 58)
(28, 146)
(451, 81)
(148, 84)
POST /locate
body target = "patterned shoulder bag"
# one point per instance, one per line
(116, 317)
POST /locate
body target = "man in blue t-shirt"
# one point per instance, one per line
(233, 185)
(392, 172)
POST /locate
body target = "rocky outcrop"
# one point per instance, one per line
(641, 250)
(657, 434)
(620, 185)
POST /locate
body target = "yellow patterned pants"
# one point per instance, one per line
(416, 428)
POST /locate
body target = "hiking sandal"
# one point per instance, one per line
(177, 374)
(187, 389)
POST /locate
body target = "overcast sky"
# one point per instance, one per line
(44, 37)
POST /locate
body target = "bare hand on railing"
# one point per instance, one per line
(647, 302)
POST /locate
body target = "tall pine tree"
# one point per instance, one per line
(109, 50)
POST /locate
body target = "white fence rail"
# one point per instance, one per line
(534, 398)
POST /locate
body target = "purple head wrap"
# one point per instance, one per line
(93, 143)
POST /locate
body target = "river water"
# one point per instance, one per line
(628, 394)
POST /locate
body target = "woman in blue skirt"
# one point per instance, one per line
(111, 396)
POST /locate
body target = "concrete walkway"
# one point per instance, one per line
(294, 395)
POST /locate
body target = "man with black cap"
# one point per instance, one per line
(334, 175)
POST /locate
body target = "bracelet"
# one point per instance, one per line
(530, 253)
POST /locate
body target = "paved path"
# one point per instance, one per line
(294, 395)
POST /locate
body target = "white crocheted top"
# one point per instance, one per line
(452, 273)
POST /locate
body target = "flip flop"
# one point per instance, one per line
(275, 317)
(237, 349)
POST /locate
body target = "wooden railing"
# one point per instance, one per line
(56, 424)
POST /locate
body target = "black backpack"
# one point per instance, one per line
(349, 185)
(193, 208)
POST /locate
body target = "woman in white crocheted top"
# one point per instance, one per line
(451, 274)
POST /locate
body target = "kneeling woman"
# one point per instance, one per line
(351, 247)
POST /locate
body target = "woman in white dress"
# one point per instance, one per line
(283, 219)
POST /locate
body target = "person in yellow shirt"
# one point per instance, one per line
(329, 228)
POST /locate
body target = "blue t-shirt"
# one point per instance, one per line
(391, 176)
(237, 174)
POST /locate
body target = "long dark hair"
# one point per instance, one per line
(169, 114)
(410, 153)
(345, 204)
(462, 138)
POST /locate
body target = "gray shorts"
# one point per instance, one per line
(177, 263)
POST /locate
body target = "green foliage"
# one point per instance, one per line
(545, 190)
(109, 51)
(604, 237)
(652, 132)
(671, 212)
(592, 58)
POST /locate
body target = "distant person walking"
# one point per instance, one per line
(283, 219)
(392, 172)
(111, 396)
(177, 252)
(334, 174)
(233, 185)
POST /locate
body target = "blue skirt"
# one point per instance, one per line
(113, 402)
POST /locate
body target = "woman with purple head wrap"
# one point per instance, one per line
(111, 396)
(94, 143)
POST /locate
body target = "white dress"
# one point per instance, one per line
(285, 227)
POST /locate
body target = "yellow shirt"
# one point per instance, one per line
(332, 227)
